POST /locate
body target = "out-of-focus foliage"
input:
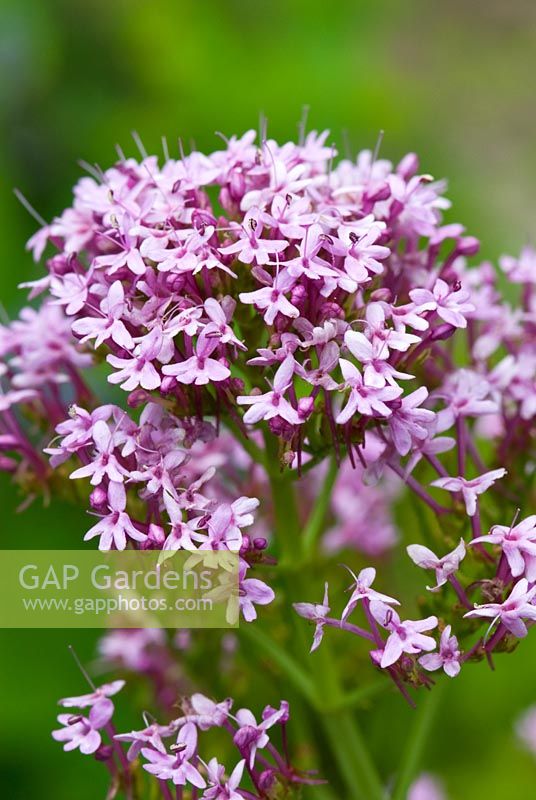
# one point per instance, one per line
(452, 81)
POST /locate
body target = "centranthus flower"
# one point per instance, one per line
(205, 713)
(176, 767)
(470, 489)
(219, 787)
(90, 699)
(116, 527)
(83, 732)
(518, 543)
(444, 567)
(512, 612)
(451, 304)
(200, 369)
(408, 423)
(368, 400)
(252, 592)
(138, 370)
(105, 463)
(109, 325)
(272, 298)
(317, 613)
(404, 637)
(273, 404)
(251, 735)
(150, 735)
(448, 656)
(361, 590)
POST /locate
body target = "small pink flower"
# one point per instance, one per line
(273, 404)
(316, 612)
(200, 369)
(451, 304)
(361, 590)
(517, 607)
(444, 567)
(447, 658)
(470, 489)
(404, 637)
(518, 543)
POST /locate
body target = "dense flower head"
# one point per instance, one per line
(294, 346)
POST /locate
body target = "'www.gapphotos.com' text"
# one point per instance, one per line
(110, 605)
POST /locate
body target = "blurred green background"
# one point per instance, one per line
(453, 81)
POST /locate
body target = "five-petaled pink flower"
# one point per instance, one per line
(200, 369)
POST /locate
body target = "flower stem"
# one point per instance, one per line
(294, 672)
(418, 738)
(165, 790)
(316, 520)
(347, 745)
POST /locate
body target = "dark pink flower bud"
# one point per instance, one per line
(298, 295)
(331, 310)
(267, 780)
(137, 398)
(305, 406)
(98, 498)
(468, 246)
(381, 193)
(260, 543)
(168, 384)
(246, 544)
(237, 184)
(442, 332)
(156, 534)
(104, 753)
(280, 427)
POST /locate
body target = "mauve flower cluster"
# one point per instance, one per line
(262, 769)
(285, 325)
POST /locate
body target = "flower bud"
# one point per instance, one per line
(267, 780)
(305, 406)
(98, 498)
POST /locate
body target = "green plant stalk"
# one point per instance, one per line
(287, 664)
(346, 742)
(317, 518)
(421, 729)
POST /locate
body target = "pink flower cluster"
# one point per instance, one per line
(284, 325)
(181, 764)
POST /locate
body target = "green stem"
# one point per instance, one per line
(357, 696)
(287, 524)
(417, 740)
(317, 517)
(350, 752)
(348, 747)
(347, 743)
(293, 671)
(249, 445)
